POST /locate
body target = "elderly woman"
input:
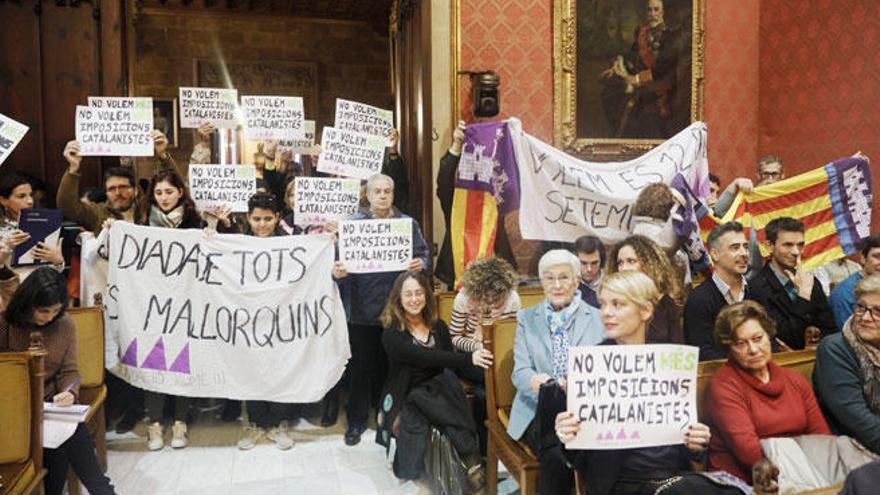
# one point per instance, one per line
(627, 301)
(638, 253)
(751, 398)
(847, 372)
(540, 355)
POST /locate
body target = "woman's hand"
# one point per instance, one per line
(416, 265)
(482, 358)
(538, 380)
(63, 399)
(16, 238)
(45, 252)
(205, 131)
(221, 213)
(567, 426)
(339, 270)
(697, 437)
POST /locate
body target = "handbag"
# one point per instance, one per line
(714, 483)
(444, 468)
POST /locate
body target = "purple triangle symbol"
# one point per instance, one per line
(131, 354)
(156, 359)
(609, 436)
(181, 363)
(621, 435)
(599, 436)
(635, 436)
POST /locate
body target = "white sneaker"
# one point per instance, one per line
(178, 435)
(250, 436)
(154, 437)
(280, 436)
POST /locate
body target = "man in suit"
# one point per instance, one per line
(793, 296)
(729, 251)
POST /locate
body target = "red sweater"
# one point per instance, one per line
(742, 411)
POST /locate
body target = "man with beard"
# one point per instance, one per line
(728, 249)
(792, 296)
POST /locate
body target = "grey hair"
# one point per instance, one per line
(376, 178)
(559, 257)
(868, 285)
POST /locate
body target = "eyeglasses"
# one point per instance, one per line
(562, 280)
(861, 309)
(742, 345)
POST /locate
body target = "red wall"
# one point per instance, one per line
(819, 65)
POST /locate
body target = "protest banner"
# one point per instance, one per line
(629, 396)
(365, 119)
(217, 185)
(208, 106)
(350, 154)
(11, 133)
(273, 117)
(318, 199)
(376, 245)
(301, 146)
(115, 127)
(227, 315)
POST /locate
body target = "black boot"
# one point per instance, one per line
(331, 408)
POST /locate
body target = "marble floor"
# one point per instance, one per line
(318, 463)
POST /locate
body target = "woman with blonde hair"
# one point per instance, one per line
(638, 253)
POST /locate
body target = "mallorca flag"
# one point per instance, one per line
(482, 191)
(833, 202)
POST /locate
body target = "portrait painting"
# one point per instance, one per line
(165, 118)
(628, 73)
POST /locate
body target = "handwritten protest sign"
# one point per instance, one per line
(208, 106)
(11, 133)
(273, 117)
(365, 119)
(115, 126)
(301, 146)
(369, 246)
(231, 316)
(629, 396)
(350, 154)
(217, 185)
(318, 199)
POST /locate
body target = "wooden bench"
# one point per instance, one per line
(528, 297)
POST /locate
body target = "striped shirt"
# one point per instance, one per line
(465, 328)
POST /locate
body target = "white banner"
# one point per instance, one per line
(350, 154)
(318, 199)
(301, 146)
(218, 185)
(629, 396)
(365, 119)
(564, 198)
(376, 245)
(229, 316)
(115, 127)
(208, 106)
(11, 133)
(273, 117)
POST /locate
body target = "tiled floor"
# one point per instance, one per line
(318, 463)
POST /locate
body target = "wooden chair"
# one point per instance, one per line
(21, 420)
(89, 323)
(444, 305)
(530, 296)
(516, 456)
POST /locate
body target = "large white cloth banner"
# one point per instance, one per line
(564, 197)
(226, 315)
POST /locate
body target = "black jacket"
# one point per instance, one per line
(700, 312)
(792, 318)
(445, 270)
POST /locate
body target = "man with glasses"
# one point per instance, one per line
(120, 185)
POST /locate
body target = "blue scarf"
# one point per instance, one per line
(560, 322)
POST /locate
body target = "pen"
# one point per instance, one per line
(73, 384)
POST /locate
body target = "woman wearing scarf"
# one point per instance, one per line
(544, 334)
(847, 372)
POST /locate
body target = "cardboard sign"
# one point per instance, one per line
(350, 154)
(115, 127)
(301, 146)
(217, 185)
(273, 117)
(208, 106)
(318, 199)
(229, 315)
(376, 245)
(365, 119)
(11, 133)
(629, 396)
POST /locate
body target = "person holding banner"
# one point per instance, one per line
(39, 306)
(365, 296)
(627, 299)
(540, 358)
(751, 398)
(420, 392)
(638, 253)
(16, 194)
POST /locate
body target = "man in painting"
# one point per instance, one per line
(640, 86)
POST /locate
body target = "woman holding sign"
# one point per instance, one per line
(38, 305)
(627, 300)
(16, 194)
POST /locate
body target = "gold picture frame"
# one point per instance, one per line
(599, 147)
